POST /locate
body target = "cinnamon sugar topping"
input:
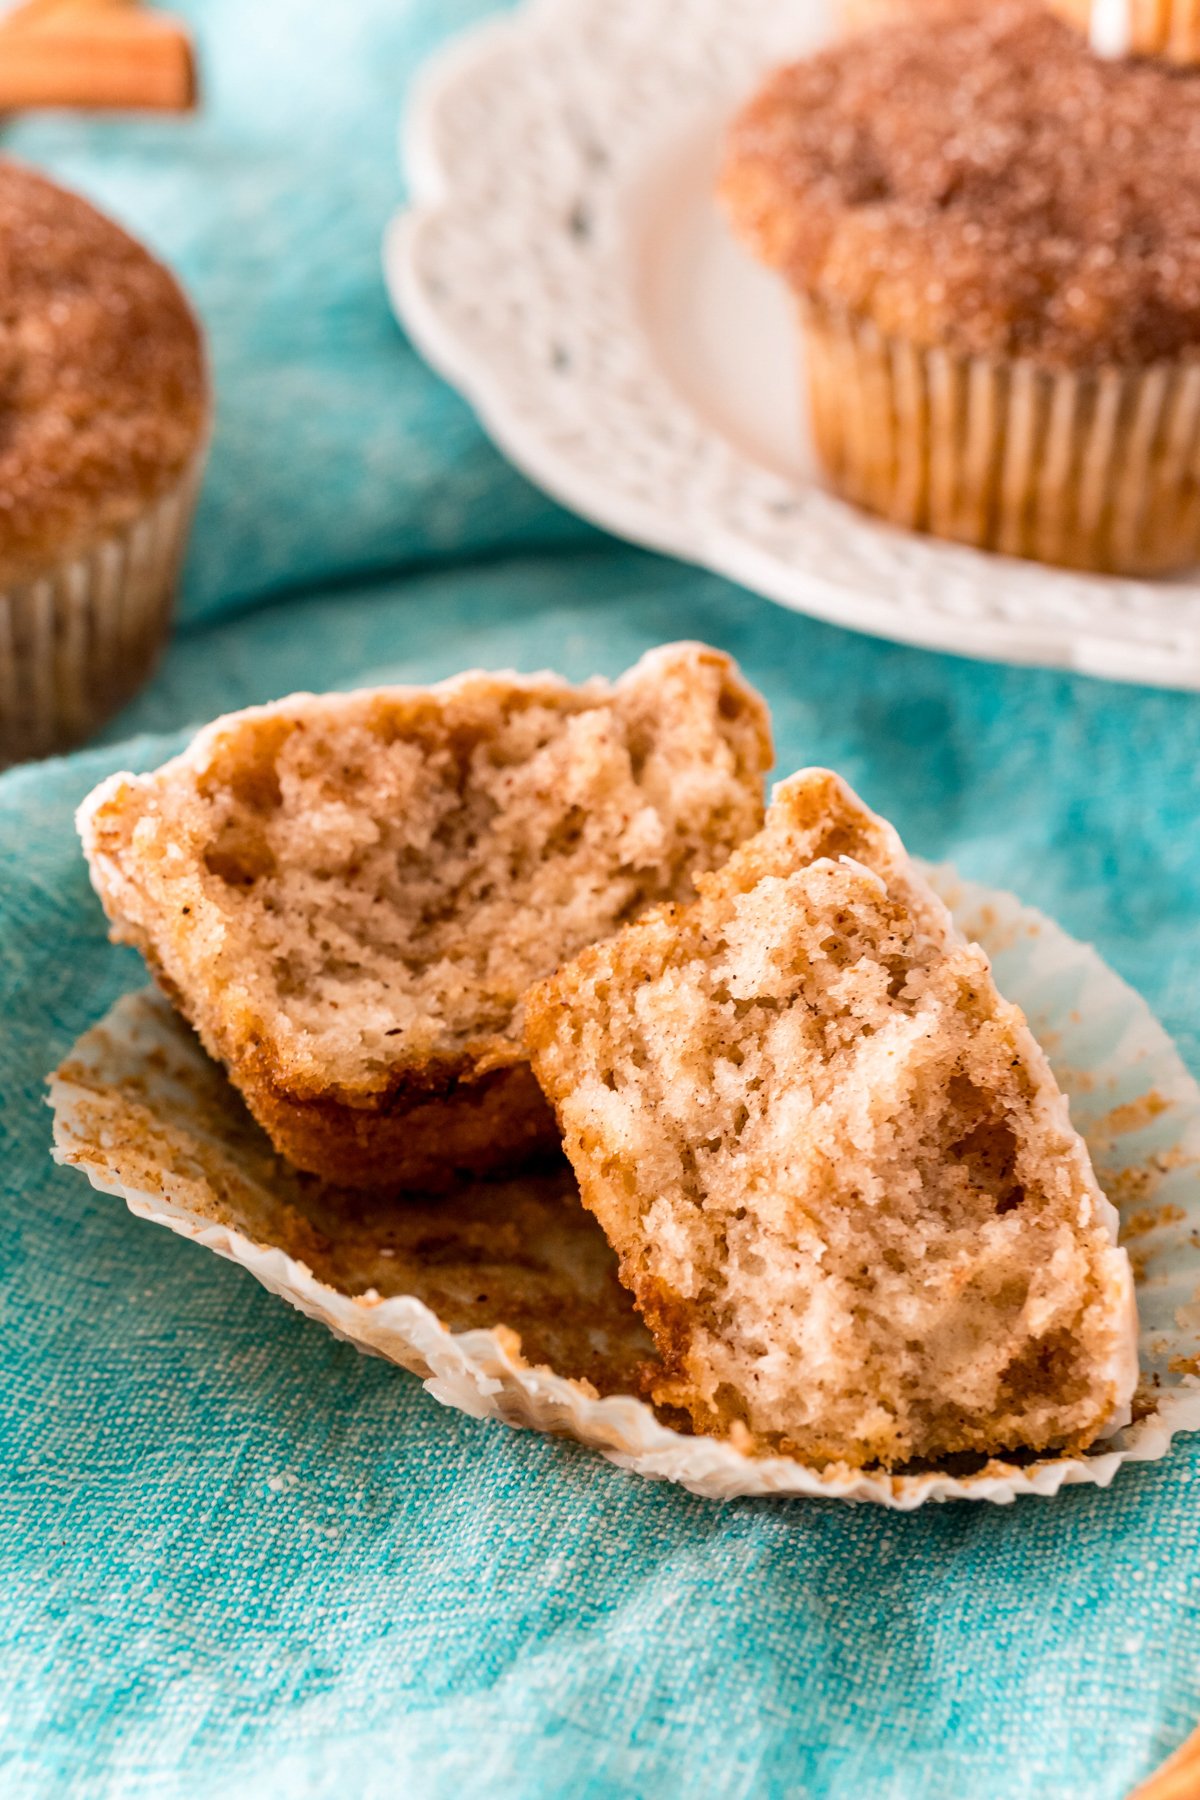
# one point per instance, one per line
(983, 182)
(103, 395)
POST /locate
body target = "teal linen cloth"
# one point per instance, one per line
(237, 1558)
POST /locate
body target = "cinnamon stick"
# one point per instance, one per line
(100, 55)
(1178, 1778)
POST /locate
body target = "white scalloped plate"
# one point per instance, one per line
(563, 265)
(126, 1113)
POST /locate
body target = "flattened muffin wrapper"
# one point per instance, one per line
(1091, 469)
(79, 640)
(126, 1111)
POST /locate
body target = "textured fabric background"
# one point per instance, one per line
(235, 1557)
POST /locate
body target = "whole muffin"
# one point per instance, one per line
(994, 238)
(105, 421)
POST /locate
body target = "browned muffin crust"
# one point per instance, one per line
(984, 183)
(103, 387)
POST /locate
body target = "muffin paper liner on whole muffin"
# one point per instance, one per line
(139, 1107)
(80, 639)
(1166, 28)
(1092, 469)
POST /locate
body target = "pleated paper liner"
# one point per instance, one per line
(79, 641)
(505, 1300)
(1092, 469)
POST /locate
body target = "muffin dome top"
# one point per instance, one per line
(983, 182)
(103, 391)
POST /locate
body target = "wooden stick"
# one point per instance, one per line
(95, 54)
(1179, 1776)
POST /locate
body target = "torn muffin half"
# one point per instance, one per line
(841, 1180)
(349, 894)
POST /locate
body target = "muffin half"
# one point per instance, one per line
(841, 1181)
(994, 240)
(348, 894)
(106, 409)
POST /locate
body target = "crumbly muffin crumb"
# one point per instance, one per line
(982, 182)
(349, 894)
(841, 1181)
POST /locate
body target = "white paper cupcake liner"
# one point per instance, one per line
(78, 641)
(126, 1111)
(1088, 468)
